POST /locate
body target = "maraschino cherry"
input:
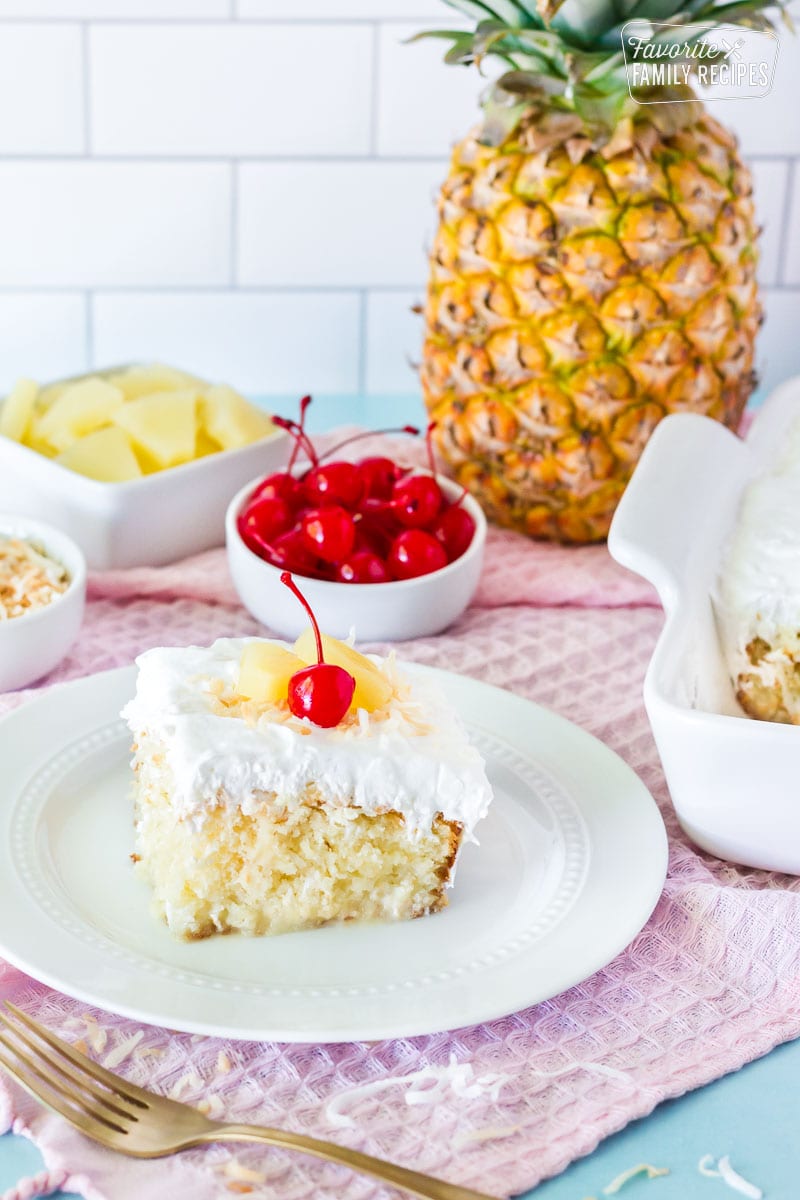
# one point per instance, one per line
(363, 567)
(365, 522)
(329, 532)
(415, 552)
(455, 529)
(267, 517)
(334, 483)
(322, 692)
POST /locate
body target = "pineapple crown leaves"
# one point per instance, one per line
(566, 55)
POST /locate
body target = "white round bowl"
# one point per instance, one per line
(378, 612)
(34, 644)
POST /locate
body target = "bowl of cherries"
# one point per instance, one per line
(391, 551)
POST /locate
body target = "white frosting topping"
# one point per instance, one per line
(416, 761)
(760, 581)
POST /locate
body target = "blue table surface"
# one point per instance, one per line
(750, 1115)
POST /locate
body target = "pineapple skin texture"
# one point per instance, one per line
(574, 301)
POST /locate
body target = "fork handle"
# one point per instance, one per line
(424, 1186)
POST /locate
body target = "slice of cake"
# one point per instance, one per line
(250, 817)
(759, 593)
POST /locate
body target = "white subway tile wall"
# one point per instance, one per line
(41, 90)
(246, 187)
(258, 338)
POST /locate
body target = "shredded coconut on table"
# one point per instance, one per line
(726, 1173)
(617, 1184)
(29, 579)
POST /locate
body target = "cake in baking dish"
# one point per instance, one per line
(759, 592)
(251, 818)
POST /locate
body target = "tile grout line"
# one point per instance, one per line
(233, 231)
(375, 90)
(87, 89)
(194, 21)
(783, 237)
(362, 341)
(164, 158)
(89, 333)
(210, 289)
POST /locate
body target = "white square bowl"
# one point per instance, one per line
(143, 522)
(733, 780)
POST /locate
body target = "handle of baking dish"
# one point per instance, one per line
(674, 487)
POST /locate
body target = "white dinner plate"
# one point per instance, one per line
(571, 862)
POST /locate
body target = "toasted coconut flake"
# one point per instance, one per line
(29, 578)
(122, 1051)
(617, 1184)
(97, 1038)
(490, 1133)
(238, 1171)
(223, 1063)
(191, 1082)
(211, 1107)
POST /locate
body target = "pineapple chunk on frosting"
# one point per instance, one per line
(373, 689)
(266, 668)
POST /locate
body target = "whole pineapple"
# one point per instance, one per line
(593, 269)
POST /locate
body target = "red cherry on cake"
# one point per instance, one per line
(455, 529)
(416, 501)
(363, 567)
(322, 692)
(334, 483)
(415, 552)
(329, 532)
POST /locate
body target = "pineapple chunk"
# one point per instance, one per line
(230, 420)
(162, 426)
(145, 380)
(16, 413)
(80, 409)
(48, 395)
(105, 455)
(205, 445)
(373, 689)
(265, 670)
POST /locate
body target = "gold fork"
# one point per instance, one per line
(126, 1118)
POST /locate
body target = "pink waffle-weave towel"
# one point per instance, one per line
(709, 984)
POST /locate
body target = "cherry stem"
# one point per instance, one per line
(286, 577)
(464, 491)
(356, 437)
(301, 440)
(298, 432)
(429, 446)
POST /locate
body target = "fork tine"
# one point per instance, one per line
(61, 1064)
(70, 1108)
(128, 1092)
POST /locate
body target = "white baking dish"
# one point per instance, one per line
(142, 522)
(735, 782)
